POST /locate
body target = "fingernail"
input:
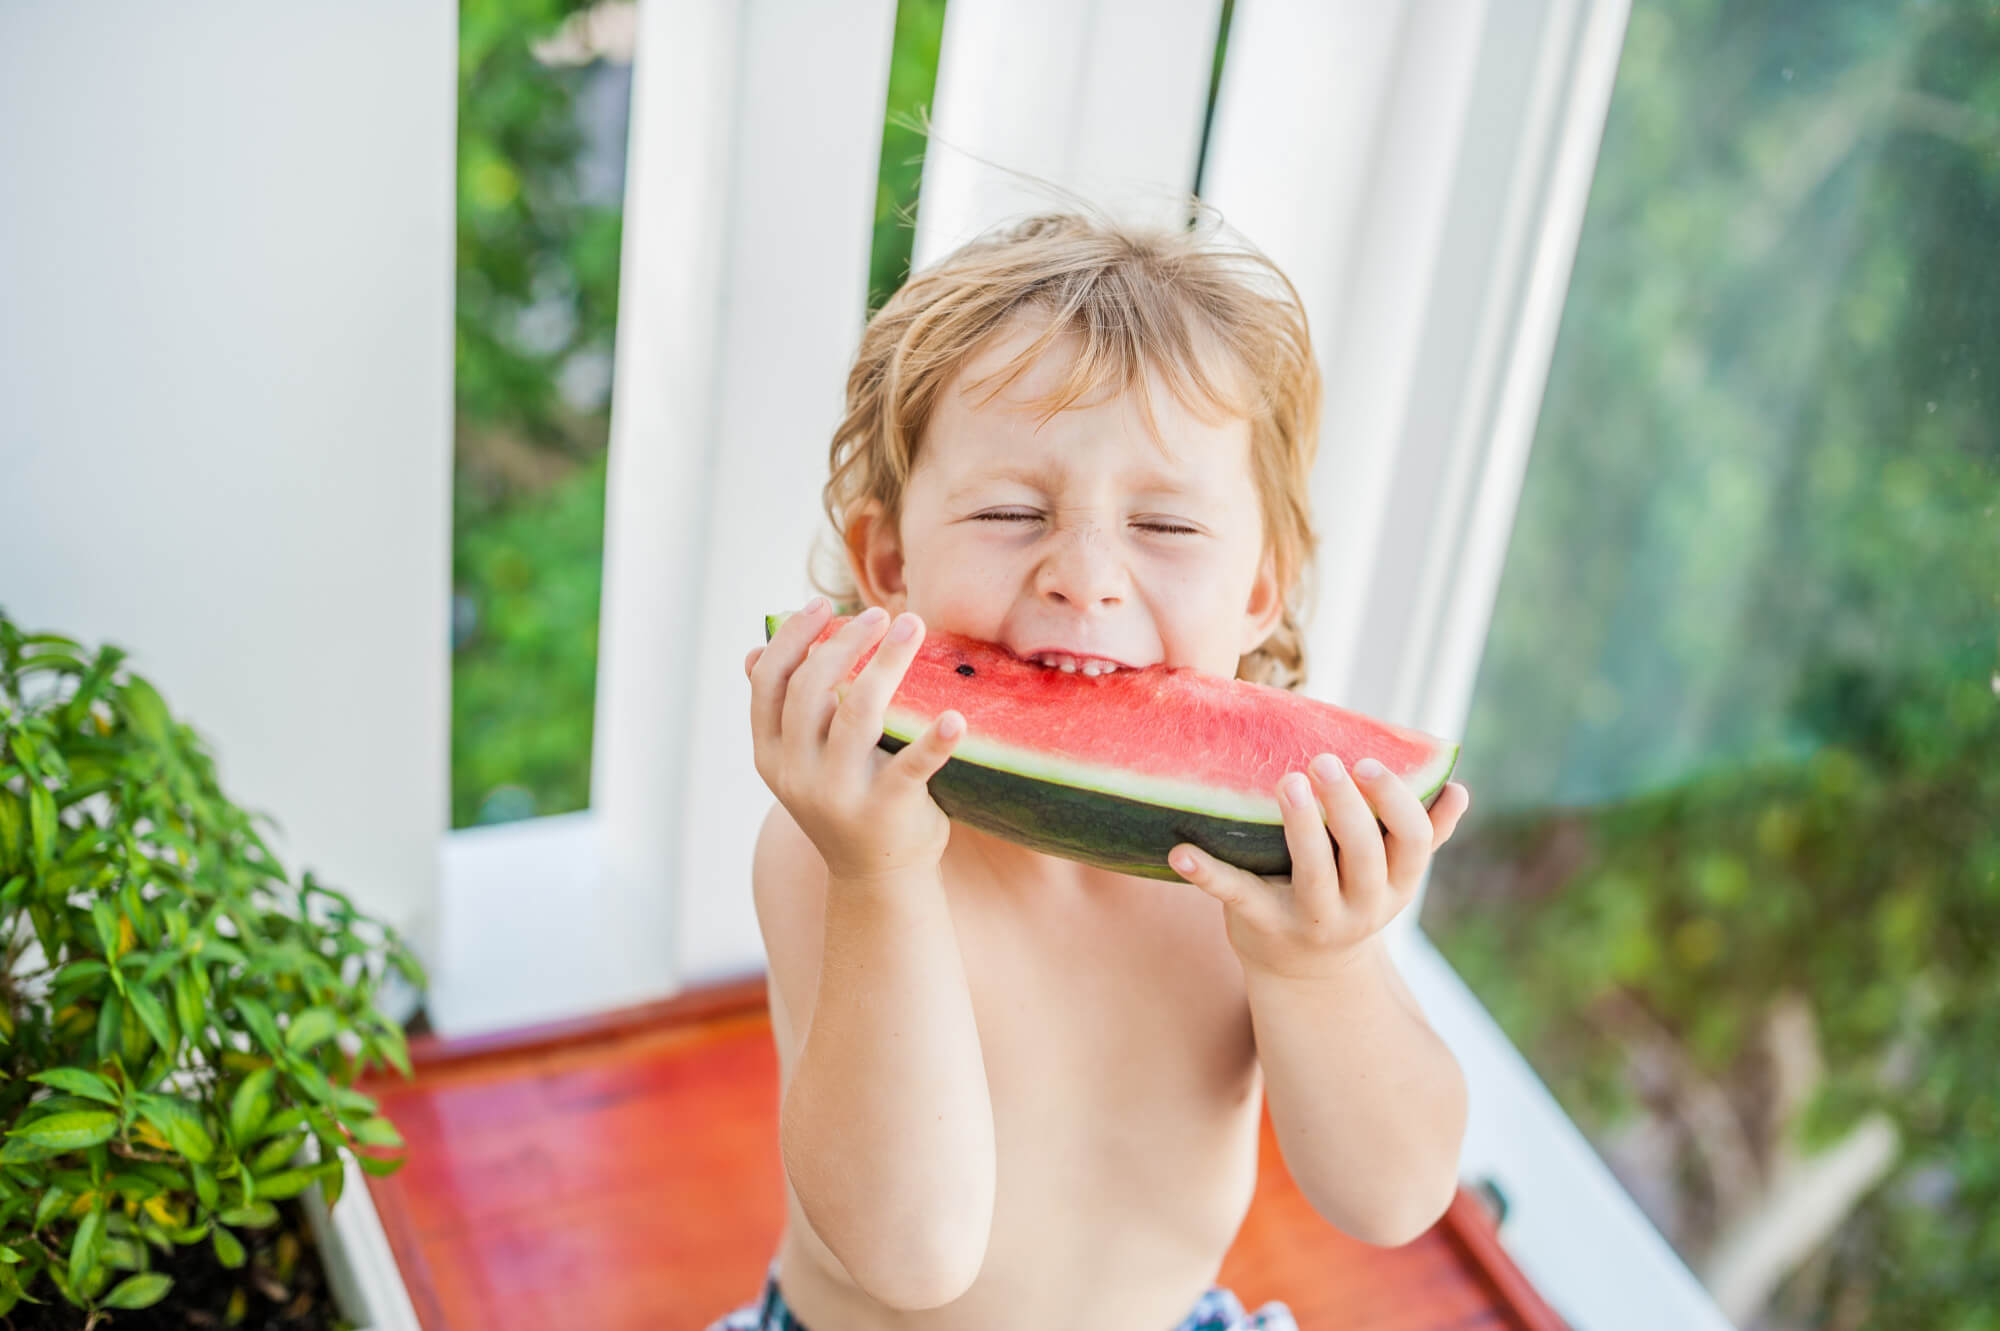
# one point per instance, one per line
(874, 614)
(817, 604)
(906, 629)
(1296, 790)
(1326, 767)
(1369, 768)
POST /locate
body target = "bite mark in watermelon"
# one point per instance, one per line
(1115, 770)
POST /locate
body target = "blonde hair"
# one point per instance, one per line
(1137, 296)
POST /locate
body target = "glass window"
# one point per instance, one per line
(1731, 880)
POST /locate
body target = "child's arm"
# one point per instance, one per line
(887, 1128)
(1368, 1103)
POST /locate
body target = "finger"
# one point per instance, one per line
(1239, 891)
(1315, 876)
(1448, 811)
(750, 661)
(770, 676)
(1407, 843)
(1364, 861)
(917, 762)
(857, 723)
(811, 700)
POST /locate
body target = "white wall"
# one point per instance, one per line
(225, 392)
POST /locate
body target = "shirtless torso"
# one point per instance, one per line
(1126, 1096)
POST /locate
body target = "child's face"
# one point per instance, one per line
(1082, 536)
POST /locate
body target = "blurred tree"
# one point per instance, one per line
(1733, 734)
(538, 257)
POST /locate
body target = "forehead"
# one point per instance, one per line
(982, 432)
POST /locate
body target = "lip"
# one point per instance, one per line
(1080, 654)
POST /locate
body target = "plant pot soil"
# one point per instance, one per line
(283, 1282)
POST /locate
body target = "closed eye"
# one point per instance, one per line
(1036, 517)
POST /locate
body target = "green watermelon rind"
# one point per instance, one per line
(1114, 819)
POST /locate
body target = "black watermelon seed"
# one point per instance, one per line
(965, 669)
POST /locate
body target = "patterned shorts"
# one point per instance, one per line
(1216, 1310)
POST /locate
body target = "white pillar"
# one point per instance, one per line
(756, 136)
(1105, 97)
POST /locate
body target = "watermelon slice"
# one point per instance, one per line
(1115, 770)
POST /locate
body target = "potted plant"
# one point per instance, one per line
(181, 1026)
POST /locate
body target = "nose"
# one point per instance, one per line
(1082, 571)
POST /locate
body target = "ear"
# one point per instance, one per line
(1266, 607)
(875, 555)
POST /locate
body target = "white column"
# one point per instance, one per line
(1105, 97)
(1336, 139)
(225, 394)
(757, 131)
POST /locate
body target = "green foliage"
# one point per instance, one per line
(523, 690)
(528, 508)
(528, 524)
(913, 61)
(1734, 731)
(180, 1026)
(525, 233)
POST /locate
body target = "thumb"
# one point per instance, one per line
(919, 761)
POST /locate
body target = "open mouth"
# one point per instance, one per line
(1074, 665)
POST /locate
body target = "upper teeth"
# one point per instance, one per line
(1070, 665)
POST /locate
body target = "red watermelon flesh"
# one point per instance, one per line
(1116, 769)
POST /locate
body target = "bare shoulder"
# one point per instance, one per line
(788, 884)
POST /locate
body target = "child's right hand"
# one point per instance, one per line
(869, 812)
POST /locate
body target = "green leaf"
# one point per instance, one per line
(13, 836)
(141, 704)
(188, 1010)
(228, 1248)
(397, 1048)
(52, 1201)
(180, 1123)
(147, 1005)
(105, 917)
(110, 1026)
(312, 1079)
(70, 1131)
(258, 1018)
(250, 1106)
(286, 1183)
(21, 1151)
(310, 1028)
(379, 1166)
(78, 1082)
(140, 1291)
(83, 1248)
(204, 1186)
(276, 1152)
(42, 822)
(256, 1215)
(378, 1131)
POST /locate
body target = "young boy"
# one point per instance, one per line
(1018, 1091)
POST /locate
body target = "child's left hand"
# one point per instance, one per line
(1311, 925)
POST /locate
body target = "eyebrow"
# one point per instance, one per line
(1152, 481)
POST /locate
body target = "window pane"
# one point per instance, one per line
(1732, 876)
(544, 92)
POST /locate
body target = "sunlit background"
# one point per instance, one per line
(1730, 883)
